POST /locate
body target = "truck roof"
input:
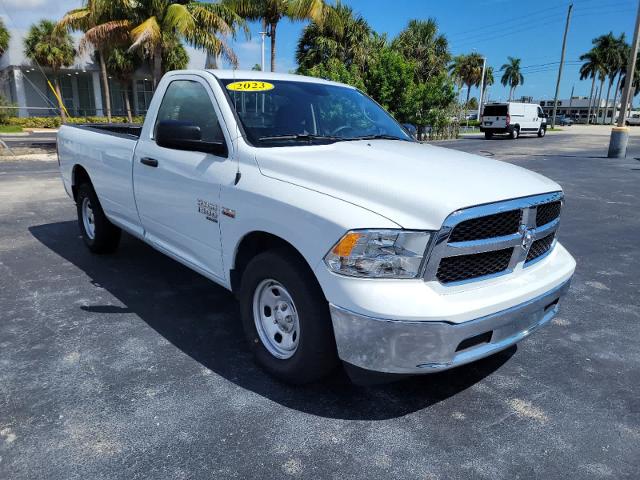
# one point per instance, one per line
(258, 75)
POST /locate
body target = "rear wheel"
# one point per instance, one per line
(488, 135)
(286, 318)
(98, 233)
(514, 133)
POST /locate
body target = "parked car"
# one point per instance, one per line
(513, 119)
(563, 121)
(633, 120)
(341, 236)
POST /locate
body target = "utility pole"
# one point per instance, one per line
(484, 66)
(564, 46)
(620, 133)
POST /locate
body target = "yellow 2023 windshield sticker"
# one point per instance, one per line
(250, 86)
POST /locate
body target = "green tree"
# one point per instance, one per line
(421, 42)
(488, 81)
(257, 67)
(122, 63)
(512, 75)
(84, 19)
(623, 53)
(270, 12)
(4, 38)
(174, 55)
(590, 69)
(609, 52)
(342, 35)
(467, 70)
(150, 23)
(50, 48)
(335, 70)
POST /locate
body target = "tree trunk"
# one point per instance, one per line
(466, 104)
(606, 102)
(272, 34)
(157, 65)
(593, 84)
(615, 99)
(105, 84)
(56, 84)
(599, 100)
(127, 104)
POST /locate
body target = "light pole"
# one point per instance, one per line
(620, 133)
(484, 65)
(263, 34)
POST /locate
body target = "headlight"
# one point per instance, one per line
(379, 253)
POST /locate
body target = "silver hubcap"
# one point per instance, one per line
(88, 218)
(276, 319)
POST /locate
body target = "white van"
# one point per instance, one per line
(513, 119)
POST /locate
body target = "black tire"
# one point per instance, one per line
(315, 356)
(488, 135)
(514, 133)
(542, 132)
(106, 237)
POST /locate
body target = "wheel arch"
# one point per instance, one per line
(79, 175)
(255, 242)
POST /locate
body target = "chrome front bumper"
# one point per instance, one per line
(396, 346)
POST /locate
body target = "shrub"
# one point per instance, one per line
(54, 122)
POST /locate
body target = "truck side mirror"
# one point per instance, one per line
(180, 135)
(410, 129)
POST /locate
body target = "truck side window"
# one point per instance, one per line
(188, 101)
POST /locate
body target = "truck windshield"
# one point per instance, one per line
(278, 113)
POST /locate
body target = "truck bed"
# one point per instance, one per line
(126, 130)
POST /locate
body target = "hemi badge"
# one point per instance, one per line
(228, 212)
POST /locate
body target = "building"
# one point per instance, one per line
(577, 109)
(25, 85)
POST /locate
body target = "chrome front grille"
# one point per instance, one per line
(494, 239)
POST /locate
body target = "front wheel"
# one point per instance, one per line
(98, 233)
(286, 318)
(542, 132)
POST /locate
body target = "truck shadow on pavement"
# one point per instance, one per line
(202, 320)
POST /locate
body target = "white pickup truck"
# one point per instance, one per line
(342, 237)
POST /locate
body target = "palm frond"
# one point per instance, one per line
(147, 34)
(178, 18)
(115, 31)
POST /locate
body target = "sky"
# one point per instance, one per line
(496, 29)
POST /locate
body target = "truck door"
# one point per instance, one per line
(177, 192)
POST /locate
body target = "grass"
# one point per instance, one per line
(10, 129)
(555, 129)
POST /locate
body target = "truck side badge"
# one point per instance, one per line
(208, 209)
(228, 212)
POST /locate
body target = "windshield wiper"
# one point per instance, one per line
(300, 136)
(378, 137)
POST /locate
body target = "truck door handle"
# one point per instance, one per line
(151, 162)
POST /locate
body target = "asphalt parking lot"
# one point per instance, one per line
(132, 366)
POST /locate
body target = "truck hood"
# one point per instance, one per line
(414, 185)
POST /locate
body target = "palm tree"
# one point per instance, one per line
(89, 16)
(122, 63)
(590, 69)
(609, 51)
(623, 49)
(270, 12)
(512, 75)
(151, 24)
(421, 42)
(174, 55)
(4, 38)
(49, 47)
(342, 35)
(488, 81)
